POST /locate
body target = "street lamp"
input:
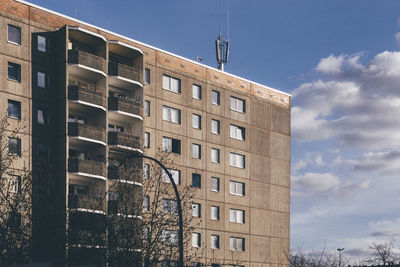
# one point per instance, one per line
(178, 202)
(340, 256)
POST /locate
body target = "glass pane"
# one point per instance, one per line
(166, 84)
(232, 217)
(166, 114)
(41, 43)
(175, 85)
(232, 188)
(175, 116)
(232, 243)
(14, 34)
(40, 115)
(41, 79)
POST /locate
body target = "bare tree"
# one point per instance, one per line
(382, 253)
(15, 198)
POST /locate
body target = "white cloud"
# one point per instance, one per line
(319, 161)
(383, 162)
(301, 164)
(330, 65)
(316, 182)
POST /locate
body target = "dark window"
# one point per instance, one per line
(171, 145)
(14, 146)
(42, 116)
(14, 71)
(14, 109)
(196, 180)
(14, 34)
(147, 76)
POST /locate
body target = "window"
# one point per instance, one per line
(238, 104)
(236, 216)
(171, 114)
(14, 109)
(14, 72)
(237, 160)
(215, 155)
(115, 128)
(196, 91)
(78, 119)
(215, 126)
(41, 43)
(214, 184)
(237, 132)
(196, 180)
(196, 240)
(74, 189)
(14, 146)
(146, 203)
(43, 152)
(196, 210)
(42, 116)
(147, 140)
(196, 151)
(215, 213)
(146, 171)
(215, 241)
(113, 195)
(215, 97)
(236, 244)
(41, 79)
(170, 237)
(169, 205)
(147, 108)
(14, 183)
(196, 121)
(171, 145)
(176, 175)
(14, 34)
(171, 84)
(147, 76)
(236, 188)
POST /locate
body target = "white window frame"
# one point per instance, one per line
(196, 240)
(196, 121)
(169, 237)
(169, 205)
(215, 126)
(218, 96)
(147, 76)
(146, 203)
(8, 34)
(236, 244)
(217, 182)
(215, 213)
(196, 91)
(215, 152)
(238, 104)
(237, 188)
(146, 171)
(172, 114)
(176, 175)
(236, 216)
(14, 183)
(237, 132)
(146, 140)
(171, 84)
(214, 240)
(196, 151)
(237, 160)
(147, 108)
(196, 210)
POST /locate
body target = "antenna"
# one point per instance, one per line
(221, 45)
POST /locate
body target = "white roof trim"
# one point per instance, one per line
(150, 46)
(77, 28)
(126, 45)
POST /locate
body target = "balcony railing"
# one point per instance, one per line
(86, 59)
(87, 238)
(129, 72)
(87, 131)
(76, 92)
(117, 206)
(124, 139)
(89, 203)
(120, 173)
(125, 105)
(87, 166)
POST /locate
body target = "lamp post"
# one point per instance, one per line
(178, 202)
(340, 256)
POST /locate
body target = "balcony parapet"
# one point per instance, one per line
(87, 203)
(95, 98)
(123, 208)
(125, 71)
(124, 140)
(87, 167)
(125, 105)
(87, 59)
(87, 238)
(88, 132)
(119, 173)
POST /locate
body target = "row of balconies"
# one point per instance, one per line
(115, 103)
(98, 63)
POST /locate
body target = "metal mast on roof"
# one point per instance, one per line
(221, 45)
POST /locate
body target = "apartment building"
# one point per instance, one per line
(89, 97)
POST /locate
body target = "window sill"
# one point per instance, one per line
(178, 93)
(13, 80)
(14, 43)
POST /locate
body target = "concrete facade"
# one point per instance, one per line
(266, 120)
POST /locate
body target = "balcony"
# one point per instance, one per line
(119, 207)
(86, 203)
(86, 96)
(124, 141)
(85, 64)
(125, 106)
(120, 173)
(88, 168)
(87, 238)
(86, 132)
(124, 71)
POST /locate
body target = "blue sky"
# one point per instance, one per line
(340, 61)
